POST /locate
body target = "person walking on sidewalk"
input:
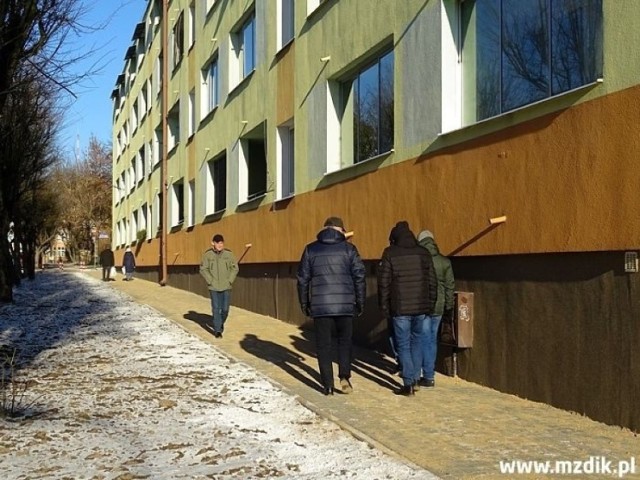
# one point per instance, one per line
(443, 308)
(129, 264)
(331, 290)
(407, 290)
(219, 268)
(107, 261)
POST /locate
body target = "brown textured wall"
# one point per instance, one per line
(567, 182)
(556, 328)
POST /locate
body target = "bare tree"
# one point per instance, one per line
(85, 192)
(33, 38)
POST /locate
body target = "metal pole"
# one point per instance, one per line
(165, 151)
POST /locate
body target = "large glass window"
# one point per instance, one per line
(248, 46)
(517, 52)
(372, 92)
(210, 93)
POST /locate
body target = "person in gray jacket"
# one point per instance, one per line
(219, 268)
(443, 307)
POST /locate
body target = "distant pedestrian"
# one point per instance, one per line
(129, 264)
(219, 268)
(60, 264)
(331, 290)
(407, 290)
(443, 307)
(107, 261)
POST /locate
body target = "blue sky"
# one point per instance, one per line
(90, 113)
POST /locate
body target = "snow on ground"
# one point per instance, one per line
(116, 391)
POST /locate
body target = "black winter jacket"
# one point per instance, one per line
(407, 283)
(331, 277)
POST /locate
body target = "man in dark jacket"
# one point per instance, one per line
(407, 290)
(107, 261)
(331, 290)
(443, 307)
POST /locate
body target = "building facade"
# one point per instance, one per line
(506, 127)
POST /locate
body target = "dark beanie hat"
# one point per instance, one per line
(217, 238)
(401, 229)
(334, 222)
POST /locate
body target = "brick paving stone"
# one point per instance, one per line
(457, 429)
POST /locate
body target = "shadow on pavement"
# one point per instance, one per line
(289, 360)
(368, 364)
(200, 319)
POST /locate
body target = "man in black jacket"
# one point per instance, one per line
(407, 291)
(107, 261)
(331, 290)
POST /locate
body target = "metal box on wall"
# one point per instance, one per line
(462, 321)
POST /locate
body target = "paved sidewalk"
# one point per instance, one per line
(456, 430)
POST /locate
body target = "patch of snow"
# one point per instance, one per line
(115, 390)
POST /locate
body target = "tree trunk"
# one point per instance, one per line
(6, 268)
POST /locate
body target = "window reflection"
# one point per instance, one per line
(516, 52)
(373, 109)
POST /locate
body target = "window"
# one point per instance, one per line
(173, 123)
(157, 146)
(286, 16)
(252, 168)
(216, 185)
(192, 24)
(285, 160)
(209, 93)
(143, 218)
(133, 227)
(157, 75)
(242, 58)
(191, 217)
(177, 203)
(134, 116)
(142, 102)
(192, 113)
(362, 114)
(177, 39)
(132, 176)
(517, 52)
(141, 164)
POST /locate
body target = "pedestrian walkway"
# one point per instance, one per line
(456, 430)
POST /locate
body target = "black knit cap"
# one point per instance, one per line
(334, 222)
(217, 238)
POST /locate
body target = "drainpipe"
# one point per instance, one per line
(165, 151)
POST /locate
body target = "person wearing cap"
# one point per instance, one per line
(407, 289)
(219, 268)
(443, 307)
(128, 264)
(332, 291)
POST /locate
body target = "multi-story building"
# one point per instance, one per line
(509, 128)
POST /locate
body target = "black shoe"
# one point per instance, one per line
(327, 390)
(345, 386)
(423, 382)
(405, 390)
(217, 334)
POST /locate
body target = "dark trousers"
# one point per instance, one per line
(344, 331)
(106, 273)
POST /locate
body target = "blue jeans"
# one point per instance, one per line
(220, 308)
(408, 335)
(430, 326)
